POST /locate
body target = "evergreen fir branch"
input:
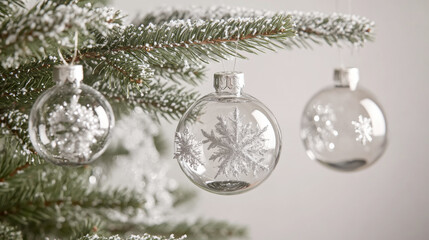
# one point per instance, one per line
(20, 89)
(64, 222)
(313, 27)
(21, 85)
(195, 41)
(122, 70)
(10, 162)
(8, 6)
(182, 196)
(26, 189)
(132, 237)
(14, 124)
(40, 200)
(158, 99)
(200, 229)
(164, 15)
(83, 2)
(84, 227)
(39, 32)
(8, 232)
(331, 28)
(66, 187)
(180, 73)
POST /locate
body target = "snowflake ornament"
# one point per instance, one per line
(363, 128)
(240, 147)
(188, 149)
(73, 129)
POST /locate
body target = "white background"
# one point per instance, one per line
(302, 199)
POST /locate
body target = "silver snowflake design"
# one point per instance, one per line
(321, 130)
(73, 129)
(188, 149)
(240, 147)
(363, 128)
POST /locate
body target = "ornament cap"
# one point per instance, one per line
(346, 77)
(229, 82)
(68, 73)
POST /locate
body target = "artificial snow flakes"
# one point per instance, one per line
(227, 142)
(73, 129)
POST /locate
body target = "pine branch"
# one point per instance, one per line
(195, 41)
(200, 229)
(165, 15)
(42, 197)
(8, 232)
(121, 69)
(10, 163)
(8, 6)
(313, 27)
(48, 200)
(39, 32)
(132, 237)
(317, 27)
(192, 74)
(84, 227)
(20, 87)
(66, 187)
(182, 196)
(14, 126)
(158, 99)
(82, 2)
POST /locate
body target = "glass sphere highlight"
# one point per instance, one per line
(70, 123)
(344, 127)
(227, 142)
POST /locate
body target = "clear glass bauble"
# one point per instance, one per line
(227, 142)
(70, 123)
(344, 127)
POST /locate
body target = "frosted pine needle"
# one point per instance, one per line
(32, 33)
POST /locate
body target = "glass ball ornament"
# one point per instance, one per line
(344, 127)
(70, 123)
(227, 142)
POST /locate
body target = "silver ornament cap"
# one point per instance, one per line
(68, 73)
(346, 77)
(229, 82)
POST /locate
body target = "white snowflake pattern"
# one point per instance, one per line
(188, 149)
(240, 148)
(73, 129)
(363, 128)
(321, 130)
